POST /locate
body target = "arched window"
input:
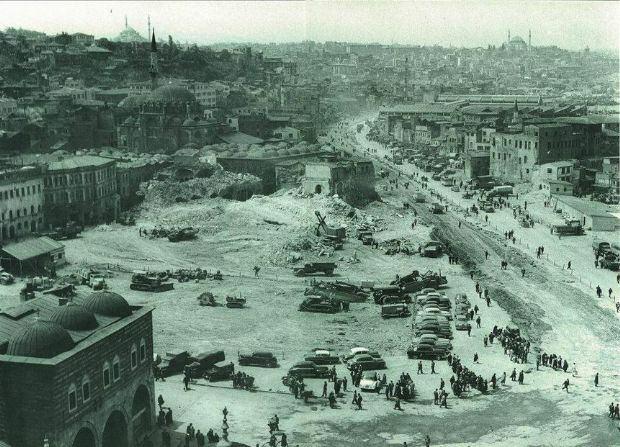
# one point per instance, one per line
(116, 369)
(72, 397)
(134, 357)
(106, 375)
(142, 350)
(85, 389)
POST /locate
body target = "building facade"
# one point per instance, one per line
(81, 189)
(514, 154)
(325, 177)
(76, 374)
(21, 202)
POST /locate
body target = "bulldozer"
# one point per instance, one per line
(414, 282)
(184, 234)
(148, 283)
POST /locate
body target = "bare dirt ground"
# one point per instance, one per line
(556, 309)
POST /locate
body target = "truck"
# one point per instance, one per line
(571, 227)
(432, 249)
(69, 231)
(315, 267)
(500, 191)
(419, 197)
(414, 282)
(92, 278)
(437, 208)
(600, 247)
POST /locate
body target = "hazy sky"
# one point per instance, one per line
(568, 24)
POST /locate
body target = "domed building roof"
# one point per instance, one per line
(106, 303)
(171, 94)
(74, 317)
(129, 35)
(133, 101)
(517, 39)
(43, 339)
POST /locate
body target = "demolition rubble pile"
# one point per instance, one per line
(222, 183)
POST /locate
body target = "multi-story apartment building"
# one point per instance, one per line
(515, 153)
(21, 202)
(82, 189)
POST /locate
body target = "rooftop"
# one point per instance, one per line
(32, 248)
(81, 161)
(588, 207)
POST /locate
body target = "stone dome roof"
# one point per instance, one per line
(133, 101)
(106, 303)
(517, 39)
(74, 317)
(43, 339)
(171, 94)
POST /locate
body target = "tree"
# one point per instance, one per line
(63, 38)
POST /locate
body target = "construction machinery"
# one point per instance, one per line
(92, 278)
(183, 234)
(569, 228)
(69, 231)
(312, 268)
(320, 304)
(149, 283)
(340, 290)
(334, 236)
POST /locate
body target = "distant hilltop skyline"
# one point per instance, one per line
(568, 25)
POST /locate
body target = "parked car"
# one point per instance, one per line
(262, 359)
(461, 324)
(367, 362)
(395, 311)
(322, 357)
(370, 381)
(309, 370)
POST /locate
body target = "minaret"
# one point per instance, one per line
(515, 113)
(126, 24)
(508, 35)
(153, 69)
(529, 41)
(148, 21)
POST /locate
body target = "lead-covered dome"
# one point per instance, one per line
(43, 339)
(74, 318)
(106, 303)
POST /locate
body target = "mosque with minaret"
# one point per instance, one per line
(517, 44)
(164, 118)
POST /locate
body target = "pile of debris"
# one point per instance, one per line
(394, 246)
(225, 184)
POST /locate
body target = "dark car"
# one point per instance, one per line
(395, 311)
(309, 370)
(262, 359)
(367, 362)
(322, 357)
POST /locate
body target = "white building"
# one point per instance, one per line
(21, 202)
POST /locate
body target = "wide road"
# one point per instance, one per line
(558, 314)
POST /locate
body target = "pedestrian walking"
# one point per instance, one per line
(486, 255)
(596, 379)
(568, 266)
(565, 385)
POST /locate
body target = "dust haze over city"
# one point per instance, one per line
(309, 224)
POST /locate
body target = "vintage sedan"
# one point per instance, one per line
(322, 357)
(367, 362)
(370, 381)
(309, 370)
(262, 359)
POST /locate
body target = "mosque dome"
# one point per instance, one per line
(74, 317)
(43, 339)
(170, 94)
(517, 39)
(129, 35)
(133, 101)
(106, 303)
